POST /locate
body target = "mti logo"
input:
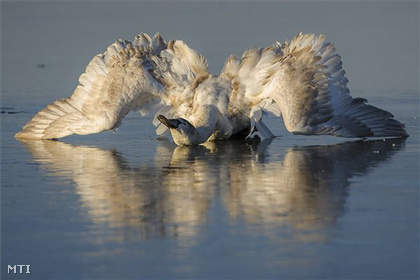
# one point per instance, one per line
(13, 268)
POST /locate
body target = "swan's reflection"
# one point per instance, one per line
(303, 188)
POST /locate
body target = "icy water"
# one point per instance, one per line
(126, 205)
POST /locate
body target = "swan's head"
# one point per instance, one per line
(183, 132)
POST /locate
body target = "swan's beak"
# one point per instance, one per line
(173, 123)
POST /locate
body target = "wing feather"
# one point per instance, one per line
(136, 75)
(305, 79)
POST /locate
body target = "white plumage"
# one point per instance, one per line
(302, 80)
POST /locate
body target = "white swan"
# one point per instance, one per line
(302, 79)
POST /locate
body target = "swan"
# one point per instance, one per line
(301, 80)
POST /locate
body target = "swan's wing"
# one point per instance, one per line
(304, 81)
(146, 75)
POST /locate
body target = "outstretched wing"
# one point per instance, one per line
(146, 75)
(304, 81)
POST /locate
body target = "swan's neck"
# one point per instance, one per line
(205, 121)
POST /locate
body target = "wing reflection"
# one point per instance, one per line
(303, 188)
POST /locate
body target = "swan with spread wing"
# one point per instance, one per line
(302, 80)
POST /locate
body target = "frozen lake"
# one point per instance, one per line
(126, 205)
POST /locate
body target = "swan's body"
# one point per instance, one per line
(303, 80)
